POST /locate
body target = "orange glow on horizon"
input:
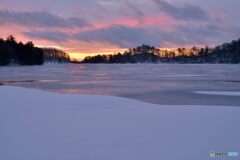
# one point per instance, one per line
(80, 56)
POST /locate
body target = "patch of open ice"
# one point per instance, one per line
(220, 93)
(37, 125)
(180, 76)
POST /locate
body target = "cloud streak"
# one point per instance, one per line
(125, 37)
(41, 19)
(119, 35)
(57, 37)
(184, 12)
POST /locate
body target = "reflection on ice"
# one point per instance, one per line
(220, 93)
(153, 83)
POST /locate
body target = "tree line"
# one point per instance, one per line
(13, 52)
(53, 55)
(226, 53)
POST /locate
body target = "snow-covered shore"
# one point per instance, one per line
(38, 125)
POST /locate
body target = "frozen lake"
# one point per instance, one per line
(171, 84)
(198, 112)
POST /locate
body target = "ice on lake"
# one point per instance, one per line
(224, 93)
(174, 84)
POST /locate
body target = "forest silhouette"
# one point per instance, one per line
(225, 53)
(13, 52)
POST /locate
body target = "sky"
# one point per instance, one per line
(83, 27)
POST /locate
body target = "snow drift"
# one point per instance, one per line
(37, 125)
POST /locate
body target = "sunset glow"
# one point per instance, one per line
(106, 26)
(81, 56)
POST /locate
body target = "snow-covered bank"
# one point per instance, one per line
(37, 125)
